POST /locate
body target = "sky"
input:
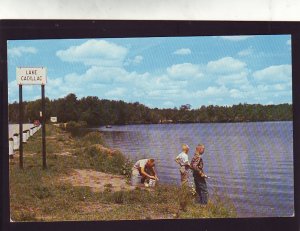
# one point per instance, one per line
(162, 72)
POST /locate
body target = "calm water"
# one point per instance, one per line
(251, 163)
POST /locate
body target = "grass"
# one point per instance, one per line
(39, 195)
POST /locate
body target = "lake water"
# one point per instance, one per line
(251, 163)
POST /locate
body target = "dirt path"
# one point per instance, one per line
(97, 181)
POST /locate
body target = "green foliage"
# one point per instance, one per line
(118, 197)
(95, 112)
(92, 138)
(41, 195)
(76, 128)
(103, 161)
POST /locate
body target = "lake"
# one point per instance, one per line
(251, 163)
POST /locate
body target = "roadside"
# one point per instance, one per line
(86, 180)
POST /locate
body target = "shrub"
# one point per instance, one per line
(92, 138)
(118, 197)
(76, 128)
(103, 159)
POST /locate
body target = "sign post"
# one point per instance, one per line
(43, 127)
(32, 76)
(20, 127)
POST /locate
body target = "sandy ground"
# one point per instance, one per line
(97, 181)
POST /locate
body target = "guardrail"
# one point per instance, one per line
(14, 137)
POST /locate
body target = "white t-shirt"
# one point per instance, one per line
(140, 163)
(183, 159)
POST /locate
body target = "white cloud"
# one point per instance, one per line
(138, 59)
(237, 94)
(99, 75)
(237, 79)
(95, 53)
(116, 93)
(184, 71)
(211, 91)
(236, 38)
(183, 51)
(246, 52)
(274, 74)
(289, 42)
(19, 51)
(225, 65)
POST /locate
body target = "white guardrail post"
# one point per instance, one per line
(24, 137)
(11, 148)
(28, 133)
(16, 139)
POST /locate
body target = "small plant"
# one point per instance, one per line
(126, 168)
(60, 138)
(184, 198)
(108, 186)
(107, 190)
(118, 197)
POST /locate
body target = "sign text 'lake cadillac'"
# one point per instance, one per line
(31, 76)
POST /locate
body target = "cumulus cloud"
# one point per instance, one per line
(213, 91)
(95, 53)
(239, 79)
(246, 52)
(183, 51)
(274, 74)
(116, 93)
(136, 60)
(236, 38)
(184, 71)
(21, 50)
(225, 65)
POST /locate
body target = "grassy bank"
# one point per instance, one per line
(45, 195)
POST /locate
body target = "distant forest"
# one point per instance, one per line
(97, 111)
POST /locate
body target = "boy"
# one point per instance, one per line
(183, 160)
(199, 176)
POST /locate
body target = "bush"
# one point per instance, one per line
(76, 128)
(103, 160)
(92, 138)
(118, 197)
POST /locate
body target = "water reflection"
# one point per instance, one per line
(252, 163)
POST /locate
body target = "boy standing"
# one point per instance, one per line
(199, 176)
(183, 160)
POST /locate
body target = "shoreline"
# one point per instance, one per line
(237, 122)
(76, 180)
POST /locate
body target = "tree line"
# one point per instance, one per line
(97, 111)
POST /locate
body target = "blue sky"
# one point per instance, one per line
(160, 72)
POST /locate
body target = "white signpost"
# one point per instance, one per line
(32, 76)
(53, 119)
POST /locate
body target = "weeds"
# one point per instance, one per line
(37, 194)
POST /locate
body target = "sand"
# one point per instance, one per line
(97, 181)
